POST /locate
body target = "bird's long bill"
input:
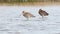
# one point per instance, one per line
(21, 14)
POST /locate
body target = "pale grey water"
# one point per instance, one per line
(12, 22)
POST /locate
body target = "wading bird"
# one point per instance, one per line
(43, 13)
(27, 15)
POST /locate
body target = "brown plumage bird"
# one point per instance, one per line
(27, 15)
(43, 13)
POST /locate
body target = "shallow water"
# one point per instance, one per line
(12, 21)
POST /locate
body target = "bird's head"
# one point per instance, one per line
(23, 11)
(40, 9)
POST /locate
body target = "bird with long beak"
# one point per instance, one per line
(43, 13)
(27, 15)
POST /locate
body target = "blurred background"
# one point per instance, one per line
(28, 2)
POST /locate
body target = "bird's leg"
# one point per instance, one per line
(42, 17)
(27, 19)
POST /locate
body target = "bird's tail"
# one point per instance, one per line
(47, 14)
